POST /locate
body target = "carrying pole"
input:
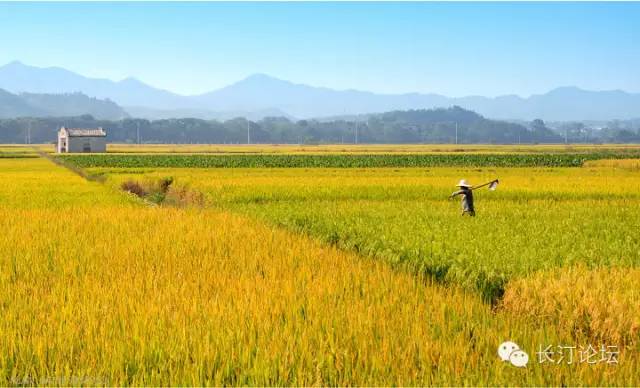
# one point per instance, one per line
(484, 184)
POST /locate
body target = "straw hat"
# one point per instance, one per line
(463, 183)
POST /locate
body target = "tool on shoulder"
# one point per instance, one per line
(492, 185)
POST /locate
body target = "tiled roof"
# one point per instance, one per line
(73, 132)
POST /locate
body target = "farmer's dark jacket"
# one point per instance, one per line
(467, 198)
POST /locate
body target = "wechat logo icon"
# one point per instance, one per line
(510, 351)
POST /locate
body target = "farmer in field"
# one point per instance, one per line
(466, 191)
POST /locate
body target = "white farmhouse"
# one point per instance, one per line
(82, 140)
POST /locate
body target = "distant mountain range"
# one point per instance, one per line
(57, 105)
(261, 95)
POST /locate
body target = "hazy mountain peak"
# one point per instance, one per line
(15, 64)
(132, 81)
(18, 66)
(565, 89)
(577, 90)
(260, 77)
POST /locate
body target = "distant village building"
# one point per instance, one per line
(82, 140)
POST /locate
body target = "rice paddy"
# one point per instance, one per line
(316, 276)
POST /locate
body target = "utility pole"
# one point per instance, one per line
(248, 132)
(519, 133)
(356, 131)
(29, 132)
(456, 132)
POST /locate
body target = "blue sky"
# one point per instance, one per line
(449, 48)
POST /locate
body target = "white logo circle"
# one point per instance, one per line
(506, 348)
(519, 358)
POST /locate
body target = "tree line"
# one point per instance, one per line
(450, 125)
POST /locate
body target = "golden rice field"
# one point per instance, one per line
(315, 277)
(608, 296)
(539, 219)
(633, 164)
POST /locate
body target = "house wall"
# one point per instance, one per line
(96, 144)
(61, 138)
